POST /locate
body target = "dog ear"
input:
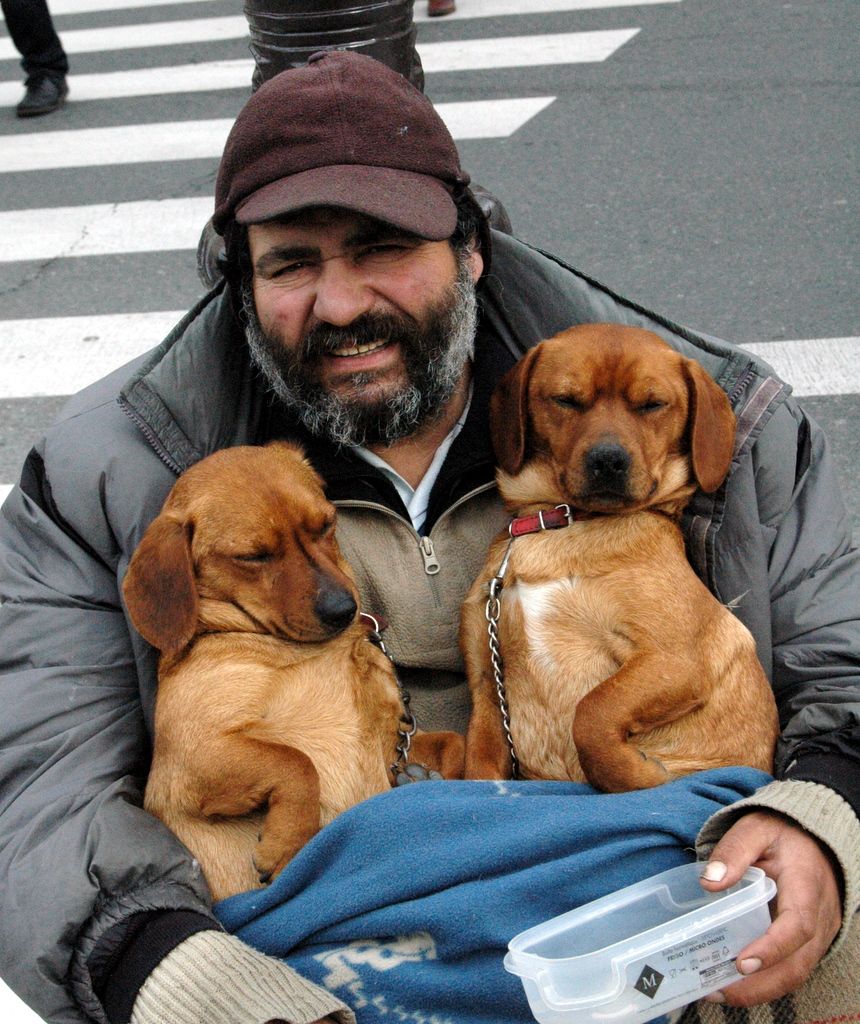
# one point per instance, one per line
(159, 587)
(509, 413)
(711, 426)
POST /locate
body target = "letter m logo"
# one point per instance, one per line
(649, 981)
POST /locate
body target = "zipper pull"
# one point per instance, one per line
(428, 553)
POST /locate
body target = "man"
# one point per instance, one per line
(350, 322)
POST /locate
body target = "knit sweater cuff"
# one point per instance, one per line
(818, 810)
(214, 978)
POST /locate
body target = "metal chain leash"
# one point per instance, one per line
(401, 769)
(492, 613)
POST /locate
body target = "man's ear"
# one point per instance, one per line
(509, 413)
(476, 264)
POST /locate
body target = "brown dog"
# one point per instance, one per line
(620, 668)
(274, 711)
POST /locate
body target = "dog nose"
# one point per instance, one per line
(607, 463)
(335, 607)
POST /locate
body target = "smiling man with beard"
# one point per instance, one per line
(386, 371)
(364, 315)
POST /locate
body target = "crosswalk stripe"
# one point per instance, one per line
(61, 7)
(160, 33)
(59, 355)
(814, 366)
(459, 55)
(132, 37)
(130, 143)
(103, 229)
(505, 8)
(183, 79)
(469, 9)
(192, 140)
(522, 51)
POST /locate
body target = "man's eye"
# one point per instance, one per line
(291, 269)
(384, 252)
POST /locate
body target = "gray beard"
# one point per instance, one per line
(436, 352)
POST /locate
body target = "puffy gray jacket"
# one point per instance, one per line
(78, 856)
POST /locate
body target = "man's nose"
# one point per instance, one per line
(342, 293)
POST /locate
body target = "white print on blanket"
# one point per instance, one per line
(371, 956)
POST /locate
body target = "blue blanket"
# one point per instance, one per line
(404, 905)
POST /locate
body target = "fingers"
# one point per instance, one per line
(776, 964)
(808, 910)
(746, 843)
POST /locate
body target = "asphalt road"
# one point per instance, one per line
(707, 168)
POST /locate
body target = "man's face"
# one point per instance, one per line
(363, 330)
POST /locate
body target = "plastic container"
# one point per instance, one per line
(642, 951)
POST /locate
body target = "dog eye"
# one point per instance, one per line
(652, 405)
(325, 528)
(569, 402)
(255, 556)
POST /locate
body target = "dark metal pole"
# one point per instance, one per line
(284, 33)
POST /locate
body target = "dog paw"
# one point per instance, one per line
(268, 873)
(416, 773)
(268, 866)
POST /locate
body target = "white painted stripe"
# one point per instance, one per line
(12, 1008)
(460, 55)
(192, 140)
(503, 8)
(133, 143)
(523, 51)
(199, 30)
(61, 355)
(34, 352)
(64, 231)
(60, 7)
(133, 37)
(468, 8)
(814, 366)
(182, 79)
(490, 119)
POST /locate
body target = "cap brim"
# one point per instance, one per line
(414, 202)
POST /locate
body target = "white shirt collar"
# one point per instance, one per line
(417, 499)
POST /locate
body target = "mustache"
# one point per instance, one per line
(364, 330)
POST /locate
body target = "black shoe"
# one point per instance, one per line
(43, 96)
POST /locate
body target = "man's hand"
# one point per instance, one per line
(808, 904)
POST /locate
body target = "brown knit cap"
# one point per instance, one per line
(344, 130)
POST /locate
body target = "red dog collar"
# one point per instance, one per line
(551, 519)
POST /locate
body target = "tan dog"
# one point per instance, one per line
(274, 710)
(620, 668)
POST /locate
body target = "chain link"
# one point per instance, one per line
(408, 724)
(492, 613)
